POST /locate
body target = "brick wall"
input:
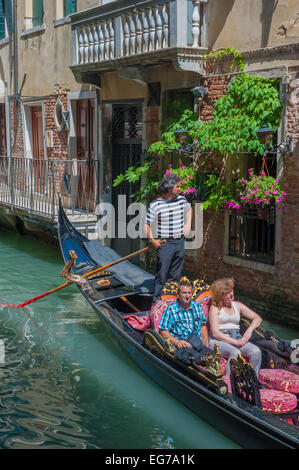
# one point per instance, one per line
(16, 124)
(275, 295)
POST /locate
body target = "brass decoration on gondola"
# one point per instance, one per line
(213, 362)
(199, 285)
(244, 381)
(68, 275)
(169, 345)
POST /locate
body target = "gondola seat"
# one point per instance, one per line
(273, 401)
(279, 379)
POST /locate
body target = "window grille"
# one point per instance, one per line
(252, 231)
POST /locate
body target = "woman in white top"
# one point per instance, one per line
(224, 321)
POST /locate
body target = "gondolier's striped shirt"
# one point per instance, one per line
(182, 323)
(166, 218)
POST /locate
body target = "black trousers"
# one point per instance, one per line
(197, 352)
(170, 262)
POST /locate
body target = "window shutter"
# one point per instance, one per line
(2, 20)
(70, 6)
(38, 12)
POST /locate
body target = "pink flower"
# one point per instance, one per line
(275, 191)
(245, 181)
(183, 181)
(267, 192)
(183, 167)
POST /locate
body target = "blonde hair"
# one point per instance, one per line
(219, 288)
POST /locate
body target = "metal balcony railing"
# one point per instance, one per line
(34, 185)
(126, 28)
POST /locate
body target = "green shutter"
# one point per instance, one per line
(70, 6)
(10, 6)
(38, 12)
(2, 20)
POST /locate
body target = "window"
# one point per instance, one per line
(5, 18)
(70, 6)
(252, 233)
(37, 12)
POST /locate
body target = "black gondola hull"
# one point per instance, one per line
(245, 424)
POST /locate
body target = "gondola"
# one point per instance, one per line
(112, 295)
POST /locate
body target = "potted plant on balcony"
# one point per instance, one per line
(262, 192)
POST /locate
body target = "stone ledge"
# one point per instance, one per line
(36, 30)
(62, 21)
(244, 263)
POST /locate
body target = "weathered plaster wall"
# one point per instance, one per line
(252, 24)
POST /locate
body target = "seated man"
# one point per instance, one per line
(184, 324)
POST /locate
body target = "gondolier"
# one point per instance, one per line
(168, 218)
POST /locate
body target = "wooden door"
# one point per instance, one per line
(85, 151)
(38, 149)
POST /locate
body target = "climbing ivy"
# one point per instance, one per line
(249, 102)
(237, 58)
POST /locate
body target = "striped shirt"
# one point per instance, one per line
(182, 323)
(166, 218)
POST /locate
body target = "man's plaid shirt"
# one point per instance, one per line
(182, 323)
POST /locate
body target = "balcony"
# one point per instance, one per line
(126, 33)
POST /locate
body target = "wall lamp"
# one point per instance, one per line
(265, 135)
(199, 92)
(187, 148)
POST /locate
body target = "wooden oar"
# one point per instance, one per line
(62, 286)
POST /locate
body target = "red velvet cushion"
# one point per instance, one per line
(273, 401)
(205, 300)
(277, 402)
(279, 379)
(156, 312)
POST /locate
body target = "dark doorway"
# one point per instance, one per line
(126, 151)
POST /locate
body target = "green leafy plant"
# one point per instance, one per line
(249, 102)
(220, 194)
(237, 58)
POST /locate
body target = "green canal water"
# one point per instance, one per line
(64, 384)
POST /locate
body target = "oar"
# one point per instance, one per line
(62, 286)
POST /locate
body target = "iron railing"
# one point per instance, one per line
(34, 185)
(252, 235)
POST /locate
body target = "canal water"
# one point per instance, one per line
(64, 384)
